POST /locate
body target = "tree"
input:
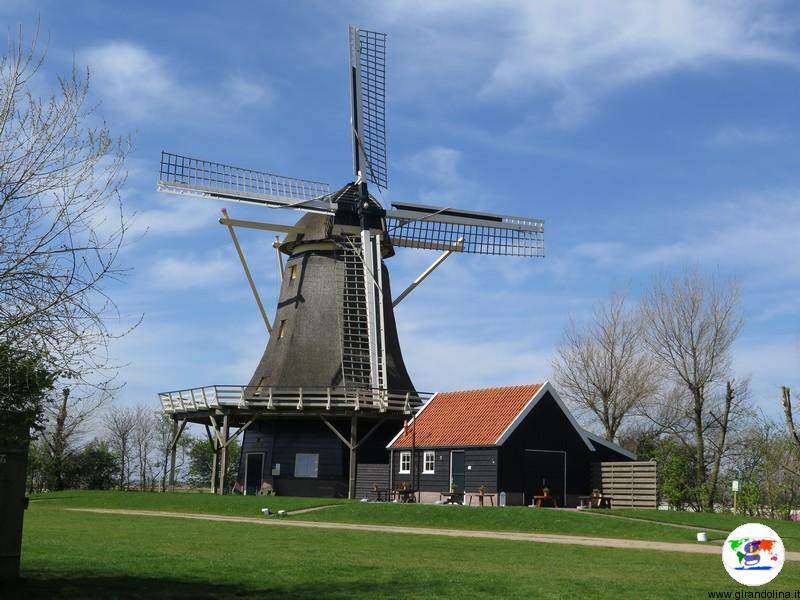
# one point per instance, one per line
(61, 224)
(201, 461)
(25, 381)
(143, 442)
(691, 326)
(61, 229)
(119, 424)
(603, 368)
(786, 397)
(67, 420)
(162, 429)
(95, 466)
(769, 471)
(24, 384)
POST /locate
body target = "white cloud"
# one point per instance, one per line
(244, 92)
(190, 271)
(756, 233)
(738, 136)
(140, 84)
(438, 168)
(438, 164)
(173, 216)
(574, 51)
(132, 79)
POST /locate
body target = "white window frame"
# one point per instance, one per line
(309, 460)
(429, 455)
(405, 457)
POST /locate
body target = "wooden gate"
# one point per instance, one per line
(630, 484)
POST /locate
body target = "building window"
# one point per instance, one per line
(282, 329)
(292, 272)
(306, 465)
(405, 462)
(428, 462)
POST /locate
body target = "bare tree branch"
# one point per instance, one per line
(603, 368)
(61, 224)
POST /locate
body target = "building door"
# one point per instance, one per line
(457, 472)
(545, 469)
(253, 472)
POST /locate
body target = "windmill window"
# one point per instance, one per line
(428, 462)
(292, 272)
(306, 465)
(282, 329)
(405, 462)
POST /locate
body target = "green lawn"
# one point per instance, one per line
(241, 506)
(75, 555)
(788, 530)
(511, 518)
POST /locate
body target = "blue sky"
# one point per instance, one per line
(650, 136)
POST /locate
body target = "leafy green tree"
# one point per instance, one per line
(25, 381)
(96, 467)
(201, 460)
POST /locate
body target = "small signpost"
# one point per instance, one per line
(735, 488)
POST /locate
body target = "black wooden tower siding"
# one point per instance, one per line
(320, 341)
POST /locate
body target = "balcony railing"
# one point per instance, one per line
(290, 398)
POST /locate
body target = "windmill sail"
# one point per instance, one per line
(436, 228)
(205, 179)
(368, 98)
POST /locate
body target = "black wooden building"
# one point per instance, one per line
(516, 440)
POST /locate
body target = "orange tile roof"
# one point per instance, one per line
(468, 418)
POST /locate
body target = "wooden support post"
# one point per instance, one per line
(250, 281)
(351, 491)
(214, 440)
(223, 458)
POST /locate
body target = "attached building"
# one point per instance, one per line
(516, 440)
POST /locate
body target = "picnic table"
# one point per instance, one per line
(449, 497)
(595, 501)
(384, 494)
(407, 495)
(539, 500)
(480, 498)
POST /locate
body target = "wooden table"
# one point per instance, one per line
(596, 501)
(449, 497)
(384, 494)
(539, 500)
(406, 495)
(480, 498)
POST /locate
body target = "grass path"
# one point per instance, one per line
(496, 535)
(665, 523)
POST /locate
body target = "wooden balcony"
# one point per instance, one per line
(290, 399)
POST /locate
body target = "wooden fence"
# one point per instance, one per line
(630, 484)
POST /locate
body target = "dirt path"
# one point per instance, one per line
(301, 511)
(494, 535)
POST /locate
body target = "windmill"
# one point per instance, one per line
(334, 333)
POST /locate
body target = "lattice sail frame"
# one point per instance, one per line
(368, 96)
(194, 177)
(435, 228)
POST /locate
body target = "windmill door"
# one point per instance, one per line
(253, 472)
(545, 469)
(457, 471)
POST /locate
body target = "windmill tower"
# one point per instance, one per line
(333, 355)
